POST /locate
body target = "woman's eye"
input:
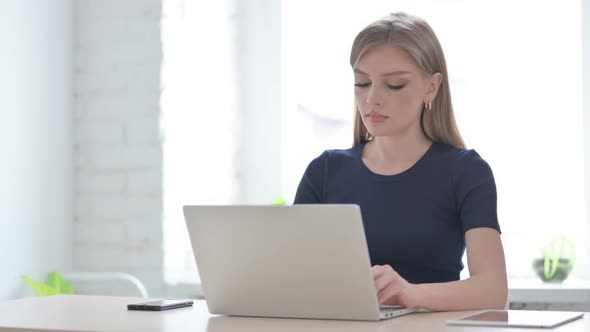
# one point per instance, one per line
(362, 85)
(396, 87)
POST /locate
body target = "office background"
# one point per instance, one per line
(116, 113)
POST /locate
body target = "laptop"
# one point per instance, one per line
(300, 261)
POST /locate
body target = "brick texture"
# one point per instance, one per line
(117, 147)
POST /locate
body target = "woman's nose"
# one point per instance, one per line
(374, 96)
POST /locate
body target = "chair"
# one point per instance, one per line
(106, 283)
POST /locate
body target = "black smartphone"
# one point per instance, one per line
(160, 305)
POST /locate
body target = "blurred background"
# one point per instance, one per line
(115, 114)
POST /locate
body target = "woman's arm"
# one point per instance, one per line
(486, 288)
(311, 186)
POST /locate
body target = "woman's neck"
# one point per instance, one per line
(396, 152)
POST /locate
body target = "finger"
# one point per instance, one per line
(378, 271)
(390, 270)
(383, 281)
(388, 296)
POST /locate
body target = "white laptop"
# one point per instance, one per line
(301, 261)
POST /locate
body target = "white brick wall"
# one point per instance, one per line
(121, 157)
(117, 148)
(145, 182)
(101, 183)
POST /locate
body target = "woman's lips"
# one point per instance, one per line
(376, 117)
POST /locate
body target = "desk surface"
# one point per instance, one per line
(573, 291)
(99, 313)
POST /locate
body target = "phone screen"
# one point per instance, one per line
(163, 303)
(160, 304)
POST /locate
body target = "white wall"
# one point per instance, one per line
(586, 123)
(117, 148)
(35, 140)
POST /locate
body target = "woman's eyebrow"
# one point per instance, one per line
(391, 73)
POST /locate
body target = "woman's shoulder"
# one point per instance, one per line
(459, 156)
(464, 162)
(339, 155)
(333, 158)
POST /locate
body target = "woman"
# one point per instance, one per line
(424, 198)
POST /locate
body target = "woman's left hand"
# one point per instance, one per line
(391, 288)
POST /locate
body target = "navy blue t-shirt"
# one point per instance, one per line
(416, 220)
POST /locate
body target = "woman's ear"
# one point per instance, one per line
(434, 82)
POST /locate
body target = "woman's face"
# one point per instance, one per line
(390, 90)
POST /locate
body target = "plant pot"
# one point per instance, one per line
(564, 267)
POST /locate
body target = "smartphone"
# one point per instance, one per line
(160, 305)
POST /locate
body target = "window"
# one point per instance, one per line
(516, 88)
(515, 81)
(198, 118)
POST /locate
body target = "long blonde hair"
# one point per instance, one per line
(416, 37)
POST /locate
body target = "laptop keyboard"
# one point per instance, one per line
(384, 307)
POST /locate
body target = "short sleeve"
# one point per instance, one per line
(475, 190)
(311, 186)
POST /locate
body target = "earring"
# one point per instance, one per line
(428, 105)
(368, 136)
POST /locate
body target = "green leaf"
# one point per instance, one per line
(40, 288)
(279, 201)
(56, 281)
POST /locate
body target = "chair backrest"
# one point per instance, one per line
(106, 283)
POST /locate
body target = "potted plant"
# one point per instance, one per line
(54, 284)
(557, 261)
(279, 201)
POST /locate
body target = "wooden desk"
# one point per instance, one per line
(98, 313)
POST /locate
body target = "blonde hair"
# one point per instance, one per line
(416, 37)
